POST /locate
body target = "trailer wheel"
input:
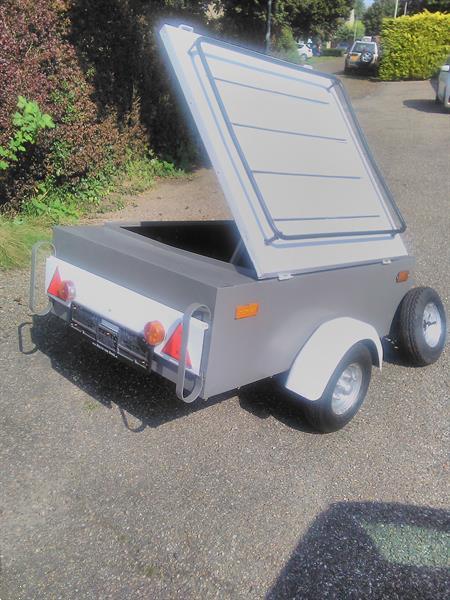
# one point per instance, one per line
(344, 393)
(422, 326)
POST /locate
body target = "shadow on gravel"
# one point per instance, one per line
(267, 398)
(393, 355)
(425, 105)
(358, 74)
(370, 550)
(149, 399)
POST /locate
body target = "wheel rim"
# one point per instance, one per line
(432, 324)
(346, 391)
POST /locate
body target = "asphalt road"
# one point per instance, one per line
(110, 488)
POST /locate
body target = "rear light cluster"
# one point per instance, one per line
(67, 291)
(154, 331)
(62, 289)
(155, 334)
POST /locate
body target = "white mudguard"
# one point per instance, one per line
(319, 357)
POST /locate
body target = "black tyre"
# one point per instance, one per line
(422, 326)
(344, 394)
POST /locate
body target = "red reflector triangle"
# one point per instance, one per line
(55, 283)
(173, 346)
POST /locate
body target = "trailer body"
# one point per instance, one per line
(306, 279)
(235, 351)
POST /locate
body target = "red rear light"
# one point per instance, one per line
(154, 333)
(173, 346)
(65, 290)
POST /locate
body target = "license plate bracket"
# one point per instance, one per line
(114, 339)
(108, 335)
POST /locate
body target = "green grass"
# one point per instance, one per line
(17, 236)
(68, 202)
(140, 174)
(55, 204)
(318, 60)
(410, 545)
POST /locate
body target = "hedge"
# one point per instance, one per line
(94, 67)
(285, 47)
(414, 47)
(332, 52)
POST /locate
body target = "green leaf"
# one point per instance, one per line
(48, 121)
(21, 102)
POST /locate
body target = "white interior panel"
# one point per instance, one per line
(273, 151)
(283, 113)
(289, 156)
(328, 201)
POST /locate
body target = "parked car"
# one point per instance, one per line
(362, 55)
(317, 49)
(443, 90)
(344, 46)
(305, 50)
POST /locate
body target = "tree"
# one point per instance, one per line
(380, 9)
(346, 32)
(246, 20)
(415, 6)
(320, 17)
(375, 14)
(360, 9)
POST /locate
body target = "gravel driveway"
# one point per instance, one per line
(111, 488)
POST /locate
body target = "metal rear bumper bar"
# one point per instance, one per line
(195, 308)
(181, 373)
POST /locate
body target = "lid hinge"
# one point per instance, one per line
(284, 276)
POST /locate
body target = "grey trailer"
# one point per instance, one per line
(303, 283)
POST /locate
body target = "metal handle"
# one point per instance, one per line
(181, 374)
(32, 301)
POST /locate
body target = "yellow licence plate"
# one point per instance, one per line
(354, 58)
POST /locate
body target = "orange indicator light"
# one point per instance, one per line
(244, 311)
(402, 276)
(154, 333)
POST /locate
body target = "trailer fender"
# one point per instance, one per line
(319, 357)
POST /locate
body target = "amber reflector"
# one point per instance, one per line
(402, 276)
(246, 310)
(154, 333)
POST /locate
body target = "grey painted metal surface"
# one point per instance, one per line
(290, 311)
(291, 158)
(241, 351)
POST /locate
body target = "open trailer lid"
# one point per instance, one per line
(290, 156)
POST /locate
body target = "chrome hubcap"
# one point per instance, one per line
(432, 324)
(347, 389)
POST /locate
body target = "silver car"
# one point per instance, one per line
(443, 90)
(362, 55)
